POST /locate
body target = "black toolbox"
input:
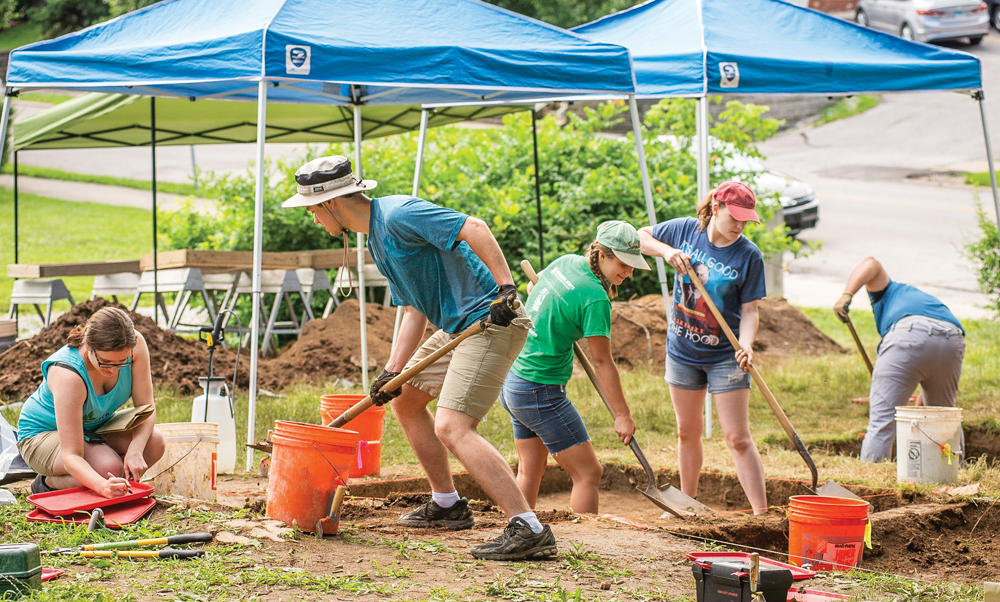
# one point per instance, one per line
(729, 581)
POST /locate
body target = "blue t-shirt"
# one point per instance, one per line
(732, 275)
(39, 412)
(413, 244)
(899, 300)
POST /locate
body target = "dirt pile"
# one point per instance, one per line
(639, 330)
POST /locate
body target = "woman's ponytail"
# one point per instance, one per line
(593, 257)
(705, 209)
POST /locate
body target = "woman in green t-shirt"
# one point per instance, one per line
(571, 301)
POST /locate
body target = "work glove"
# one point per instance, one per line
(842, 306)
(502, 309)
(375, 392)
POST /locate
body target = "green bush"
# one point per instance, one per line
(586, 177)
(58, 17)
(985, 253)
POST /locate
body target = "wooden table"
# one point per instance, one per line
(229, 261)
(59, 270)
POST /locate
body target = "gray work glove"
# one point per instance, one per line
(842, 306)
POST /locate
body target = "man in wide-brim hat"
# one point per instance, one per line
(445, 267)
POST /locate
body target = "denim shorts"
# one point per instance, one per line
(542, 411)
(721, 377)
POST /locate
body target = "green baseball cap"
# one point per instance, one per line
(623, 240)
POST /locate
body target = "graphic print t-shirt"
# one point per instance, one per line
(732, 275)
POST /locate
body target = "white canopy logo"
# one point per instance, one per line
(730, 75)
(297, 59)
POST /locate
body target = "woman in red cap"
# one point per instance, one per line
(699, 355)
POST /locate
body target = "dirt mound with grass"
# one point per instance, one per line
(639, 330)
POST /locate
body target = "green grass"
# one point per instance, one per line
(57, 174)
(980, 179)
(53, 231)
(19, 35)
(52, 99)
(848, 107)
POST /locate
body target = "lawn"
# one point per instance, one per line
(848, 107)
(53, 231)
(19, 35)
(980, 179)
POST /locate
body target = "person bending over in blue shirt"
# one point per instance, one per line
(447, 268)
(922, 343)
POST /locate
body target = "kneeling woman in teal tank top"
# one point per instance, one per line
(103, 365)
(571, 301)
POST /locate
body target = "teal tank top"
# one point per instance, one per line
(39, 412)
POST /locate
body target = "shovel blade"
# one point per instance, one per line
(831, 489)
(676, 503)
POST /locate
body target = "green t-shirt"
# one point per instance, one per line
(567, 304)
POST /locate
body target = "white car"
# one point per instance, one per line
(927, 20)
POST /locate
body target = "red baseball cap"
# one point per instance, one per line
(740, 200)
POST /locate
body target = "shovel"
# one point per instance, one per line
(671, 499)
(829, 489)
(861, 348)
(404, 376)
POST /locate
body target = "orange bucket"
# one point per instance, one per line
(369, 426)
(307, 465)
(826, 532)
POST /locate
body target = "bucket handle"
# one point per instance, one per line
(337, 472)
(945, 448)
(201, 437)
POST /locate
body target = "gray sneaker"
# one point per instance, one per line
(517, 542)
(431, 515)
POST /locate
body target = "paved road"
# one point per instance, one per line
(868, 205)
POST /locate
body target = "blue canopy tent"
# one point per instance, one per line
(391, 52)
(697, 48)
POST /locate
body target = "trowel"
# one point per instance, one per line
(670, 498)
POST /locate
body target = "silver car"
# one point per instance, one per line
(927, 20)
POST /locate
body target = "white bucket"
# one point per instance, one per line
(221, 413)
(920, 434)
(188, 465)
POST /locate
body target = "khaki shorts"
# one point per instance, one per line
(40, 452)
(469, 378)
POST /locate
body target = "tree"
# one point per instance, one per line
(120, 7)
(58, 17)
(565, 13)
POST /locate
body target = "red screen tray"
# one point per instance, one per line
(810, 595)
(114, 516)
(68, 501)
(797, 572)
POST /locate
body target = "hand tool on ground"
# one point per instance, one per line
(829, 489)
(401, 379)
(332, 513)
(670, 498)
(107, 549)
(861, 348)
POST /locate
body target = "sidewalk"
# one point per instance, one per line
(99, 193)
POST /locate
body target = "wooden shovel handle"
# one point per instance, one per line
(404, 376)
(771, 401)
(861, 348)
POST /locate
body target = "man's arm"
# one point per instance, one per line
(480, 239)
(869, 273)
(411, 330)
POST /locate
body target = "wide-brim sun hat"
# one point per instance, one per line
(326, 178)
(623, 240)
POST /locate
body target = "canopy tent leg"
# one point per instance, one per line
(647, 191)
(538, 189)
(152, 152)
(417, 172)
(258, 244)
(359, 171)
(4, 121)
(991, 166)
(704, 185)
(697, 137)
(16, 316)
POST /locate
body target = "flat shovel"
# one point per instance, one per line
(829, 489)
(861, 348)
(670, 498)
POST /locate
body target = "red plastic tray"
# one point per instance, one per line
(50, 574)
(114, 516)
(798, 573)
(811, 595)
(68, 501)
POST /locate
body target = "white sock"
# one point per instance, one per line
(532, 520)
(445, 500)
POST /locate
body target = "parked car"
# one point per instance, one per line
(994, 12)
(928, 20)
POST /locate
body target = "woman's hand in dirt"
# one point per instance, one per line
(135, 464)
(114, 487)
(745, 357)
(679, 260)
(625, 428)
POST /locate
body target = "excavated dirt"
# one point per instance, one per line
(331, 348)
(639, 330)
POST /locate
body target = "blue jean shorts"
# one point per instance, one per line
(721, 377)
(542, 411)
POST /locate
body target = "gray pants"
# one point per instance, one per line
(916, 350)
